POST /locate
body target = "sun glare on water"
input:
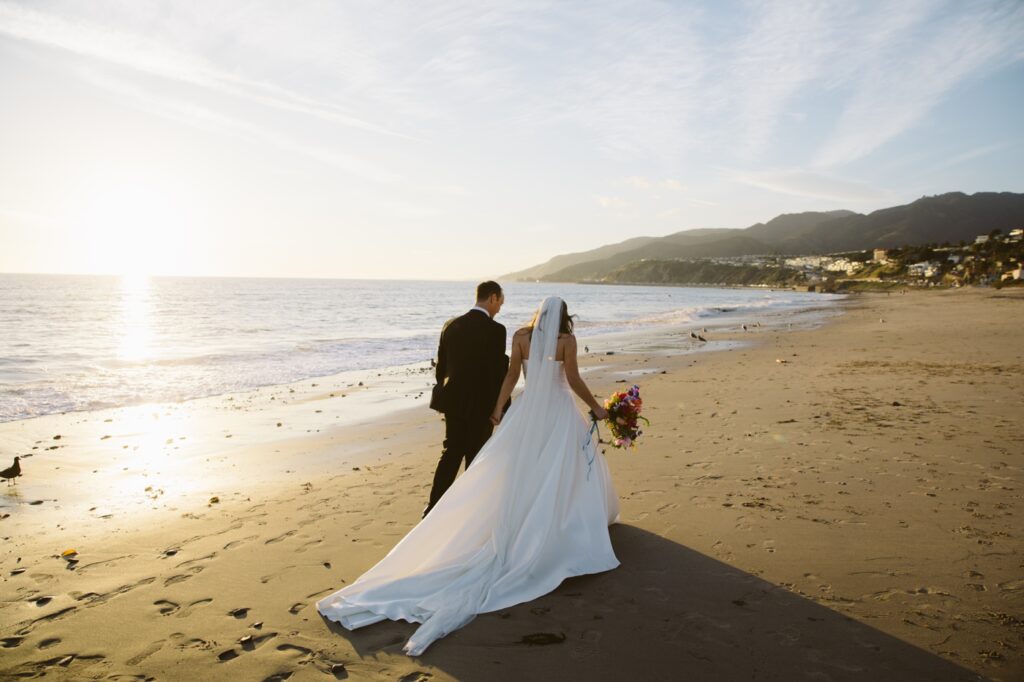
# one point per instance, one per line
(135, 323)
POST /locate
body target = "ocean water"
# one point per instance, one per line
(71, 342)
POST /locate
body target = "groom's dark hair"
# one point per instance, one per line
(485, 290)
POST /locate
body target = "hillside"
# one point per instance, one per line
(702, 272)
(952, 217)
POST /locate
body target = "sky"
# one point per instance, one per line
(465, 140)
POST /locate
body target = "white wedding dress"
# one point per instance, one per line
(531, 511)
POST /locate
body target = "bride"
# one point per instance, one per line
(531, 511)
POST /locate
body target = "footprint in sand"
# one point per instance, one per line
(251, 643)
(11, 642)
(307, 545)
(302, 652)
(47, 643)
(298, 606)
(181, 577)
(196, 643)
(279, 538)
(146, 653)
(165, 607)
(239, 612)
(417, 676)
(270, 576)
(248, 643)
(542, 639)
(1012, 585)
(212, 555)
(236, 543)
(187, 611)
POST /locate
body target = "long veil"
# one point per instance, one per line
(526, 425)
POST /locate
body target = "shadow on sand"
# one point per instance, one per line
(667, 613)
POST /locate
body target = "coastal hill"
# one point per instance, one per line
(945, 218)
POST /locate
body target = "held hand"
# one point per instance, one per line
(496, 417)
(600, 413)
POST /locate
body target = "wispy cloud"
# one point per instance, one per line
(914, 71)
(678, 211)
(641, 183)
(976, 153)
(629, 75)
(807, 184)
(143, 54)
(207, 119)
(784, 50)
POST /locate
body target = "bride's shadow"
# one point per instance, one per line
(667, 613)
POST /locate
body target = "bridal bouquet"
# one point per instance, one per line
(624, 417)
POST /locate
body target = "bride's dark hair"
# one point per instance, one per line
(565, 325)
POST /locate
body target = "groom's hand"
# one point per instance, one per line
(496, 418)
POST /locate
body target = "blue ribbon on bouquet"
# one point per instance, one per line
(590, 440)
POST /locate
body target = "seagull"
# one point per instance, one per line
(693, 335)
(744, 327)
(586, 349)
(12, 472)
(704, 330)
(701, 338)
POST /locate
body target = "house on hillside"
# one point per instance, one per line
(1014, 274)
(840, 265)
(1015, 235)
(804, 262)
(880, 256)
(927, 268)
(981, 239)
(954, 258)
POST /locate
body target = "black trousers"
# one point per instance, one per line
(463, 438)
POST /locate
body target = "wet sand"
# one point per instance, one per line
(828, 503)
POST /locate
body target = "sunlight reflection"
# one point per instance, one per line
(150, 433)
(161, 448)
(135, 323)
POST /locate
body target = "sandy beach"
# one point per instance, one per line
(829, 503)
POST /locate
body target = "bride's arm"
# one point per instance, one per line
(579, 387)
(515, 365)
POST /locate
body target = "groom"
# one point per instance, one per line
(471, 364)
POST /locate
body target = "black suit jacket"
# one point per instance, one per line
(471, 364)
